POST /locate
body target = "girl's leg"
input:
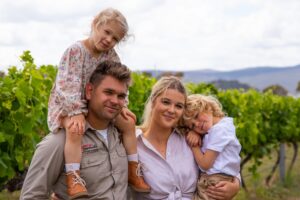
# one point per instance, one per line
(130, 144)
(135, 178)
(73, 153)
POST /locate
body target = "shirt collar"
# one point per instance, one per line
(89, 127)
(139, 135)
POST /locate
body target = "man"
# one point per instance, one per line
(104, 162)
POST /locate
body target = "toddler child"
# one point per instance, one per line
(218, 158)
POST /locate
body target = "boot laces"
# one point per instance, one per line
(139, 169)
(77, 179)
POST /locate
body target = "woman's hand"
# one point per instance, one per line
(224, 190)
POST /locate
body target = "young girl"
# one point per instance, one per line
(218, 158)
(67, 104)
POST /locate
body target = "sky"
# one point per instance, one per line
(165, 34)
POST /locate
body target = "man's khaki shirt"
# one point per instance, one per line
(104, 168)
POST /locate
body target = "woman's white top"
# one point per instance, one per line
(173, 177)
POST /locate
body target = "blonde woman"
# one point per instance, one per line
(168, 162)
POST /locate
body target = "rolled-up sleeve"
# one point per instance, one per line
(45, 168)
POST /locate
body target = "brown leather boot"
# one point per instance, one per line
(135, 178)
(76, 185)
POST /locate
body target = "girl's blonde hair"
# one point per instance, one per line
(163, 84)
(197, 103)
(108, 15)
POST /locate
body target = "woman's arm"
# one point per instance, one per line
(224, 190)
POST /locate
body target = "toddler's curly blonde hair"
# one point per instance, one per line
(197, 103)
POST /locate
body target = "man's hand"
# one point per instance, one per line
(193, 139)
(54, 197)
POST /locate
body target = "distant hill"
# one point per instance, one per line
(231, 84)
(257, 77)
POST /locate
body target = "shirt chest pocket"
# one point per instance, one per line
(94, 164)
(93, 157)
(120, 151)
(119, 160)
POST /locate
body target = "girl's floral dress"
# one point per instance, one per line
(67, 97)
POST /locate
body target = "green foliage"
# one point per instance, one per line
(139, 92)
(202, 88)
(262, 120)
(23, 109)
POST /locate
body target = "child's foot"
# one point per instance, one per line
(75, 184)
(135, 178)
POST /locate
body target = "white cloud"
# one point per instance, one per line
(168, 34)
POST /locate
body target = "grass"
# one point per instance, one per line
(9, 196)
(257, 189)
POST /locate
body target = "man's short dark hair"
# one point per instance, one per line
(113, 69)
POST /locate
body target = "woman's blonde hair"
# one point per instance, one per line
(108, 15)
(197, 103)
(163, 84)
